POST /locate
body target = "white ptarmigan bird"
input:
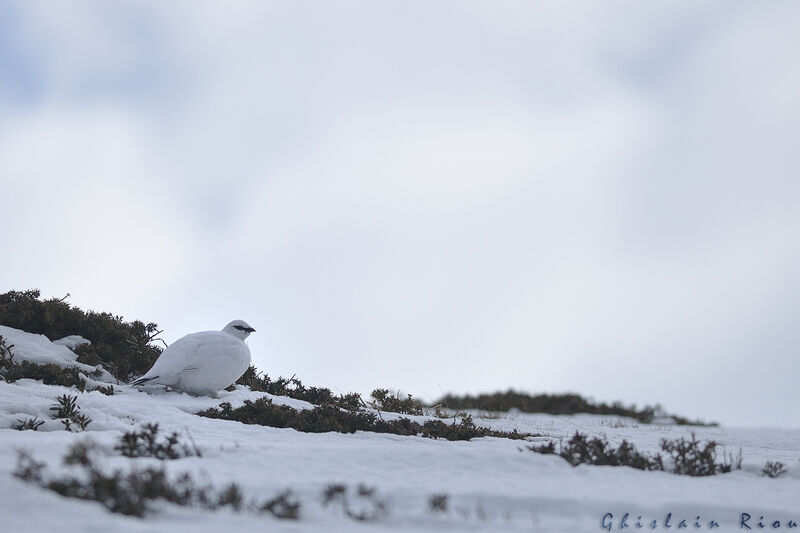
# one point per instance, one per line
(204, 362)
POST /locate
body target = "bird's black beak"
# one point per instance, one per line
(249, 330)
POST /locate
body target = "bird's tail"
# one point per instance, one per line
(142, 381)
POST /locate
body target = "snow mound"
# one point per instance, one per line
(72, 341)
(39, 349)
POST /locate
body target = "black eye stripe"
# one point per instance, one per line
(239, 327)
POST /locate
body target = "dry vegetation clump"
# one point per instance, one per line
(329, 417)
(133, 492)
(146, 443)
(559, 404)
(294, 388)
(687, 457)
(125, 349)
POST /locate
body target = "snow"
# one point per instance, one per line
(39, 349)
(493, 484)
(72, 341)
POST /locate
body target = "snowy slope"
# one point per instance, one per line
(493, 484)
(39, 349)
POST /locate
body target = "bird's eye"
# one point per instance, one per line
(240, 328)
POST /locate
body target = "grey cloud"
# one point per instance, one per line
(430, 196)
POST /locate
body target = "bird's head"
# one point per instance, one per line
(239, 329)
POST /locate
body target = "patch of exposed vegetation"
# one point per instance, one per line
(125, 349)
(363, 503)
(465, 429)
(29, 424)
(6, 357)
(133, 492)
(146, 443)
(284, 506)
(294, 388)
(438, 503)
(67, 410)
(28, 469)
(383, 400)
(596, 451)
(48, 373)
(560, 404)
(230, 496)
(328, 417)
(773, 469)
(692, 458)
(684, 456)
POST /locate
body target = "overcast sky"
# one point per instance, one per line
(428, 196)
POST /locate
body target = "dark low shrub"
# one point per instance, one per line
(363, 504)
(29, 424)
(132, 492)
(684, 456)
(558, 404)
(438, 503)
(49, 374)
(126, 349)
(692, 458)
(465, 429)
(120, 492)
(146, 443)
(230, 496)
(28, 469)
(581, 449)
(773, 469)
(66, 409)
(383, 400)
(6, 357)
(321, 419)
(284, 506)
(294, 388)
(328, 417)
(108, 390)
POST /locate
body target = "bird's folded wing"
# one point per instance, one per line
(190, 352)
(217, 347)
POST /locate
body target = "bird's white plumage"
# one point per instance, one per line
(203, 363)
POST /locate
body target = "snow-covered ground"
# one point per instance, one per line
(493, 484)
